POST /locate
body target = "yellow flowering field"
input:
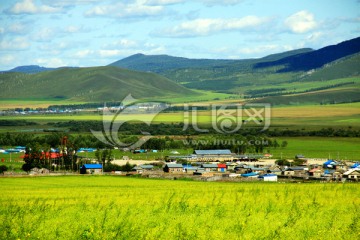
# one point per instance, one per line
(113, 207)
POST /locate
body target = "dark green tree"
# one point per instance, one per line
(104, 156)
(34, 157)
(3, 169)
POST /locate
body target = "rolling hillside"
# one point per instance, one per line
(323, 76)
(162, 63)
(165, 63)
(88, 84)
(315, 59)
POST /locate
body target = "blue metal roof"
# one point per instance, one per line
(267, 175)
(329, 162)
(355, 165)
(92, 166)
(213, 152)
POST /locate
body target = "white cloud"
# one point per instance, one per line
(301, 22)
(15, 44)
(29, 7)
(126, 10)
(72, 29)
(7, 59)
(314, 37)
(83, 53)
(110, 53)
(163, 2)
(207, 26)
(50, 62)
(68, 3)
(123, 43)
(221, 2)
(44, 34)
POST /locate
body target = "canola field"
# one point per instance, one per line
(113, 207)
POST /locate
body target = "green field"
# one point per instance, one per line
(105, 207)
(319, 147)
(311, 147)
(295, 117)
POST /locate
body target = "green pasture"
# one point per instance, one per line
(300, 86)
(294, 117)
(312, 147)
(109, 207)
(319, 147)
(34, 103)
(200, 96)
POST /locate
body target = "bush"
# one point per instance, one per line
(3, 168)
(282, 162)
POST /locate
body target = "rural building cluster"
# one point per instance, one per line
(222, 165)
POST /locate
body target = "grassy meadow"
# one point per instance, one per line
(106, 207)
(319, 147)
(294, 117)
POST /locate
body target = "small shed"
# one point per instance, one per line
(221, 167)
(210, 167)
(316, 172)
(91, 168)
(173, 168)
(269, 177)
(231, 166)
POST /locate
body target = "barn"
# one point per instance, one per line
(91, 168)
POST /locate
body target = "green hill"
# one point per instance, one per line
(88, 84)
(165, 63)
(315, 59)
(329, 96)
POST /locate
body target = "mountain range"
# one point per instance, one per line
(305, 71)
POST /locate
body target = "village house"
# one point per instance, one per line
(210, 167)
(221, 167)
(231, 166)
(275, 170)
(352, 174)
(295, 171)
(190, 168)
(91, 168)
(213, 155)
(143, 168)
(316, 172)
(173, 168)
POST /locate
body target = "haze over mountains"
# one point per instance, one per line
(335, 69)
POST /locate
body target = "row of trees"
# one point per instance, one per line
(178, 129)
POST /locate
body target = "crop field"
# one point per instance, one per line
(309, 117)
(109, 207)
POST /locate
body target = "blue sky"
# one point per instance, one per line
(93, 32)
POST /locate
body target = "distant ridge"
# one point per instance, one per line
(161, 63)
(315, 59)
(29, 69)
(164, 63)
